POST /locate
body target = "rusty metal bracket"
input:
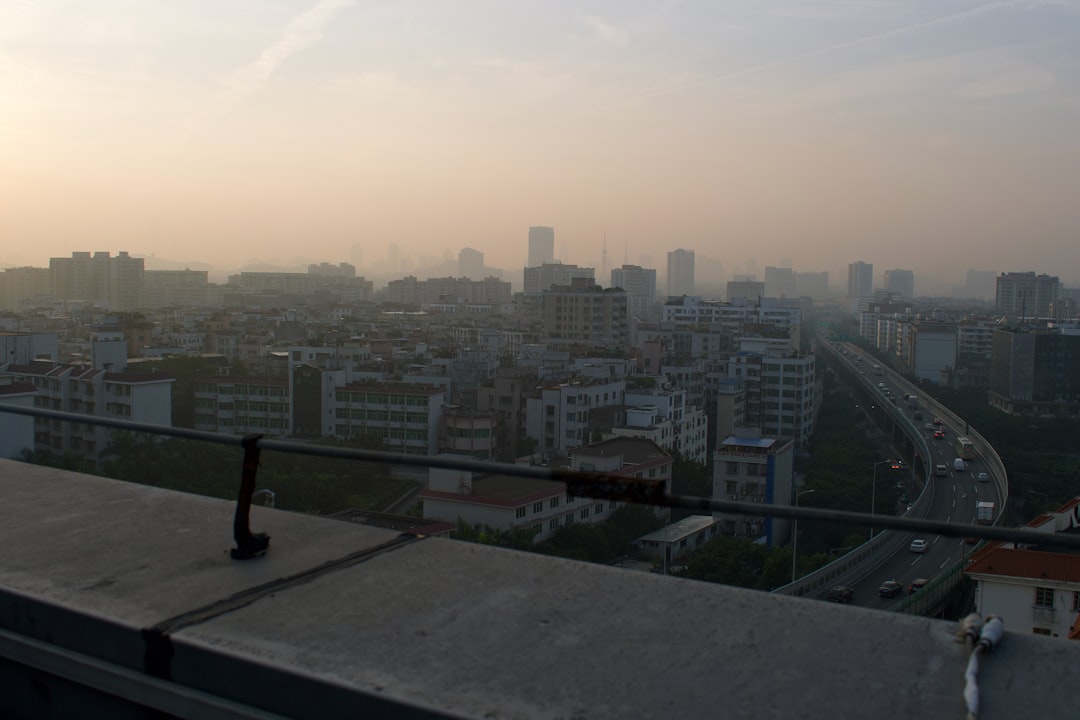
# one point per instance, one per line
(248, 545)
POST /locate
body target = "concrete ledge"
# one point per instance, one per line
(339, 619)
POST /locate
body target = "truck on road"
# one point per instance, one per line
(912, 401)
(984, 513)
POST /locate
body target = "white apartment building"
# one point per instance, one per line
(1033, 589)
(88, 390)
(506, 502)
(780, 388)
(689, 423)
(557, 417)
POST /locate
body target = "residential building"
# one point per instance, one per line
(812, 284)
(176, 288)
(747, 290)
(243, 406)
(544, 277)
(471, 263)
(779, 282)
(758, 470)
(1032, 588)
(860, 282)
(1035, 373)
(23, 286)
(899, 282)
(632, 457)
(541, 246)
(676, 541)
(583, 312)
(113, 282)
(1026, 295)
(931, 350)
(407, 418)
(92, 390)
(557, 415)
(468, 433)
(640, 286)
(503, 502)
(16, 431)
(680, 273)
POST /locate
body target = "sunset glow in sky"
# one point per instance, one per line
(937, 135)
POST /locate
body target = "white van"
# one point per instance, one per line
(959, 464)
(941, 471)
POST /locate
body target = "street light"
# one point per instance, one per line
(795, 534)
(873, 490)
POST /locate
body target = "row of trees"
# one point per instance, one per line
(301, 483)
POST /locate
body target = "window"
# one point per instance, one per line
(1044, 597)
(1040, 631)
(538, 528)
(538, 507)
(553, 524)
(599, 508)
(554, 502)
(520, 512)
(733, 468)
(584, 513)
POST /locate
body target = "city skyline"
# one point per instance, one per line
(937, 137)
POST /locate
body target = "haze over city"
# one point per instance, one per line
(937, 136)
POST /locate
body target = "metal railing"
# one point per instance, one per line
(592, 484)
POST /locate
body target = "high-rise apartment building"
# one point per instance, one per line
(98, 278)
(640, 286)
(860, 280)
(899, 282)
(546, 276)
(541, 246)
(779, 282)
(1026, 294)
(471, 263)
(582, 312)
(680, 273)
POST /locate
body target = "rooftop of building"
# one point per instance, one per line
(340, 619)
(681, 528)
(634, 450)
(501, 491)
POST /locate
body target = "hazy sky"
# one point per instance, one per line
(936, 135)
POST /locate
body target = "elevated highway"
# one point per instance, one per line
(950, 498)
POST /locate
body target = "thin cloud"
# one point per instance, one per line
(301, 32)
(955, 17)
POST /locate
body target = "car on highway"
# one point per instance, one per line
(918, 546)
(983, 477)
(918, 414)
(840, 594)
(928, 426)
(889, 588)
(938, 434)
(939, 421)
(917, 585)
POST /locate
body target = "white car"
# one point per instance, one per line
(983, 477)
(918, 546)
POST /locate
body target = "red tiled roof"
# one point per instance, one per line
(999, 559)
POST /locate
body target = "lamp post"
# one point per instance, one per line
(795, 534)
(873, 490)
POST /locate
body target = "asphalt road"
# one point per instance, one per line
(954, 499)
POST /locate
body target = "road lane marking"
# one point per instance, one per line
(954, 502)
(935, 539)
(913, 562)
(944, 563)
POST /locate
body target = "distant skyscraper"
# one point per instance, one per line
(680, 273)
(356, 254)
(471, 264)
(900, 282)
(1026, 294)
(860, 280)
(541, 245)
(640, 286)
(779, 282)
